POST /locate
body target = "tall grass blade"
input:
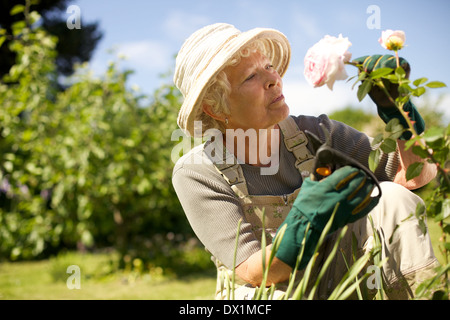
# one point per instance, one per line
(294, 272)
(302, 286)
(261, 292)
(233, 275)
(348, 278)
(327, 263)
(377, 256)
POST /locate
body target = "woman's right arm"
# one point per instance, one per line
(214, 212)
(251, 270)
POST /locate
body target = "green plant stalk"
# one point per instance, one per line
(428, 284)
(327, 262)
(344, 289)
(377, 256)
(397, 59)
(358, 289)
(294, 272)
(380, 84)
(275, 245)
(233, 275)
(261, 293)
(301, 288)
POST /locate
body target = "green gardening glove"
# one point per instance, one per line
(386, 110)
(315, 204)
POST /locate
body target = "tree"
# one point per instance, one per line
(73, 46)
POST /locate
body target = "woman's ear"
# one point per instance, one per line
(209, 111)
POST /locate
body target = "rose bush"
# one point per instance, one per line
(325, 61)
(433, 145)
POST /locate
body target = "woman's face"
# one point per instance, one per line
(256, 100)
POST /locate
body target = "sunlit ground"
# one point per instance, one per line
(47, 279)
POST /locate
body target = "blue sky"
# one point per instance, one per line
(150, 33)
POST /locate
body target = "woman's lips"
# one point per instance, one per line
(279, 98)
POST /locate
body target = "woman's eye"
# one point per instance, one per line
(250, 77)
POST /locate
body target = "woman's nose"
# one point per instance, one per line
(272, 80)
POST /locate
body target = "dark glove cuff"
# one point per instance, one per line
(389, 113)
(290, 246)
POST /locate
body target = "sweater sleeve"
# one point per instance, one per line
(353, 143)
(212, 209)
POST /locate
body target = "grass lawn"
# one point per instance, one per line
(41, 280)
(47, 279)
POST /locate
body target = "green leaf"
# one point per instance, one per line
(400, 72)
(389, 145)
(18, 8)
(361, 76)
(17, 27)
(411, 142)
(417, 150)
(435, 84)
(378, 139)
(34, 16)
(395, 128)
(420, 210)
(414, 170)
(419, 91)
(374, 159)
(2, 39)
(393, 125)
(392, 78)
(404, 88)
(364, 89)
(380, 73)
(420, 81)
(350, 79)
(422, 226)
(433, 134)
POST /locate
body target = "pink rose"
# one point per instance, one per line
(325, 61)
(392, 40)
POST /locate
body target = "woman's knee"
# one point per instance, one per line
(394, 194)
(396, 203)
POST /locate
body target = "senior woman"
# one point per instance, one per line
(232, 87)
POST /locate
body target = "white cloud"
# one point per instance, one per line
(305, 25)
(302, 98)
(180, 25)
(147, 54)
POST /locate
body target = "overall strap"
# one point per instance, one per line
(296, 142)
(232, 172)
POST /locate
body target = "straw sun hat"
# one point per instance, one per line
(205, 53)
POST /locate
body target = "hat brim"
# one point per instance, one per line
(192, 104)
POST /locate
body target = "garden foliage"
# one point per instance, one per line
(85, 167)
